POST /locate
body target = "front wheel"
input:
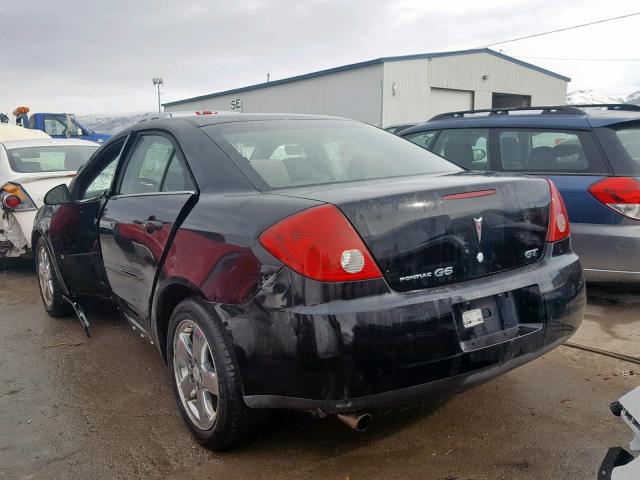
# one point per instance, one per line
(50, 291)
(205, 377)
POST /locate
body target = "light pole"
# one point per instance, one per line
(157, 81)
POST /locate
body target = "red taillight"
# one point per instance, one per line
(558, 218)
(14, 197)
(321, 244)
(621, 194)
(11, 201)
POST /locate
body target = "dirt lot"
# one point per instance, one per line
(101, 408)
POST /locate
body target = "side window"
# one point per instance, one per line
(544, 151)
(54, 126)
(466, 147)
(424, 139)
(177, 177)
(102, 180)
(147, 164)
(59, 124)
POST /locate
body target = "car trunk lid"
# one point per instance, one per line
(431, 231)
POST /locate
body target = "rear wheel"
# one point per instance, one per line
(50, 291)
(205, 377)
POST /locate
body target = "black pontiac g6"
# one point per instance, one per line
(309, 263)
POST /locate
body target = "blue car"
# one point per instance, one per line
(591, 152)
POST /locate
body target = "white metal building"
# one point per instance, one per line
(393, 90)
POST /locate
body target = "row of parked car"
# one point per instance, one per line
(315, 263)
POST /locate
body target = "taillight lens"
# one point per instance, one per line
(14, 197)
(621, 194)
(321, 244)
(558, 218)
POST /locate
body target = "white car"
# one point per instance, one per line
(28, 170)
(619, 464)
(14, 132)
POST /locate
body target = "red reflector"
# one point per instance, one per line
(321, 244)
(11, 201)
(206, 112)
(558, 219)
(460, 196)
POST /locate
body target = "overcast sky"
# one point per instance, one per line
(99, 57)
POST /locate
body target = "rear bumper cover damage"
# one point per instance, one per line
(332, 348)
(13, 242)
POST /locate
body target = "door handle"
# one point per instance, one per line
(151, 226)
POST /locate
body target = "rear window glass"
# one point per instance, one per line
(630, 140)
(543, 151)
(290, 153)
(467, 147)
(51, 158)
(423, 139)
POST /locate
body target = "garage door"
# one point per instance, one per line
(447, 100)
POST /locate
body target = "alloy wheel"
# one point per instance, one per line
(45, 276)
(195, 374)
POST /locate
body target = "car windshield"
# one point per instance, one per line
(49, 158)
(291, 153)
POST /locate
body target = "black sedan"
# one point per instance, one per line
(309, 263)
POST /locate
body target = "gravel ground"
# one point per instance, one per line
(102, 408)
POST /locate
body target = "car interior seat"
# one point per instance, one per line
(510, 153)
(459, 151)
(542, 158)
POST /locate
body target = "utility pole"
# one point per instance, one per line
(157, 81)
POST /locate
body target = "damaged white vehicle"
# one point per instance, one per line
(619, 464)
(28, 169)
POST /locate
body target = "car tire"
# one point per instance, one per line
(48, 283)
(220, 421)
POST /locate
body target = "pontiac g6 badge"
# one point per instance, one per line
(478, 223)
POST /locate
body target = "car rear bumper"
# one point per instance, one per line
(15, 239)
(399, 396)
(609, 253)
(345, 347)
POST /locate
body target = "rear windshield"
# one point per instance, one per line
(51, 158)
(291, 153)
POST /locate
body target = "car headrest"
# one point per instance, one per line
(567, 150)
(459, 152)
(541, 158)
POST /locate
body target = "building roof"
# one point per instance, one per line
(368, 63)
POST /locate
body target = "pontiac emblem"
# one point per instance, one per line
(478, 224)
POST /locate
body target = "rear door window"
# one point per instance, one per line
(466, 147)
(424, 139)
(548, 151)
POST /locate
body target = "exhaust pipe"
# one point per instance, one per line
(359, 422)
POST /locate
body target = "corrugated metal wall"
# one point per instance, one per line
(353, 93)
(409, 101)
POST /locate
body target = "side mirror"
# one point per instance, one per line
(58, 195)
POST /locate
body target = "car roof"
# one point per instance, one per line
(559, 117)
(47, 142)
(15, 132)
(202, 120)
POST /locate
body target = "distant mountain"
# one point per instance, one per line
(113, 123)
(591, 97)
(634, 98)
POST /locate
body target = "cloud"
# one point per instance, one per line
(100, 56)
